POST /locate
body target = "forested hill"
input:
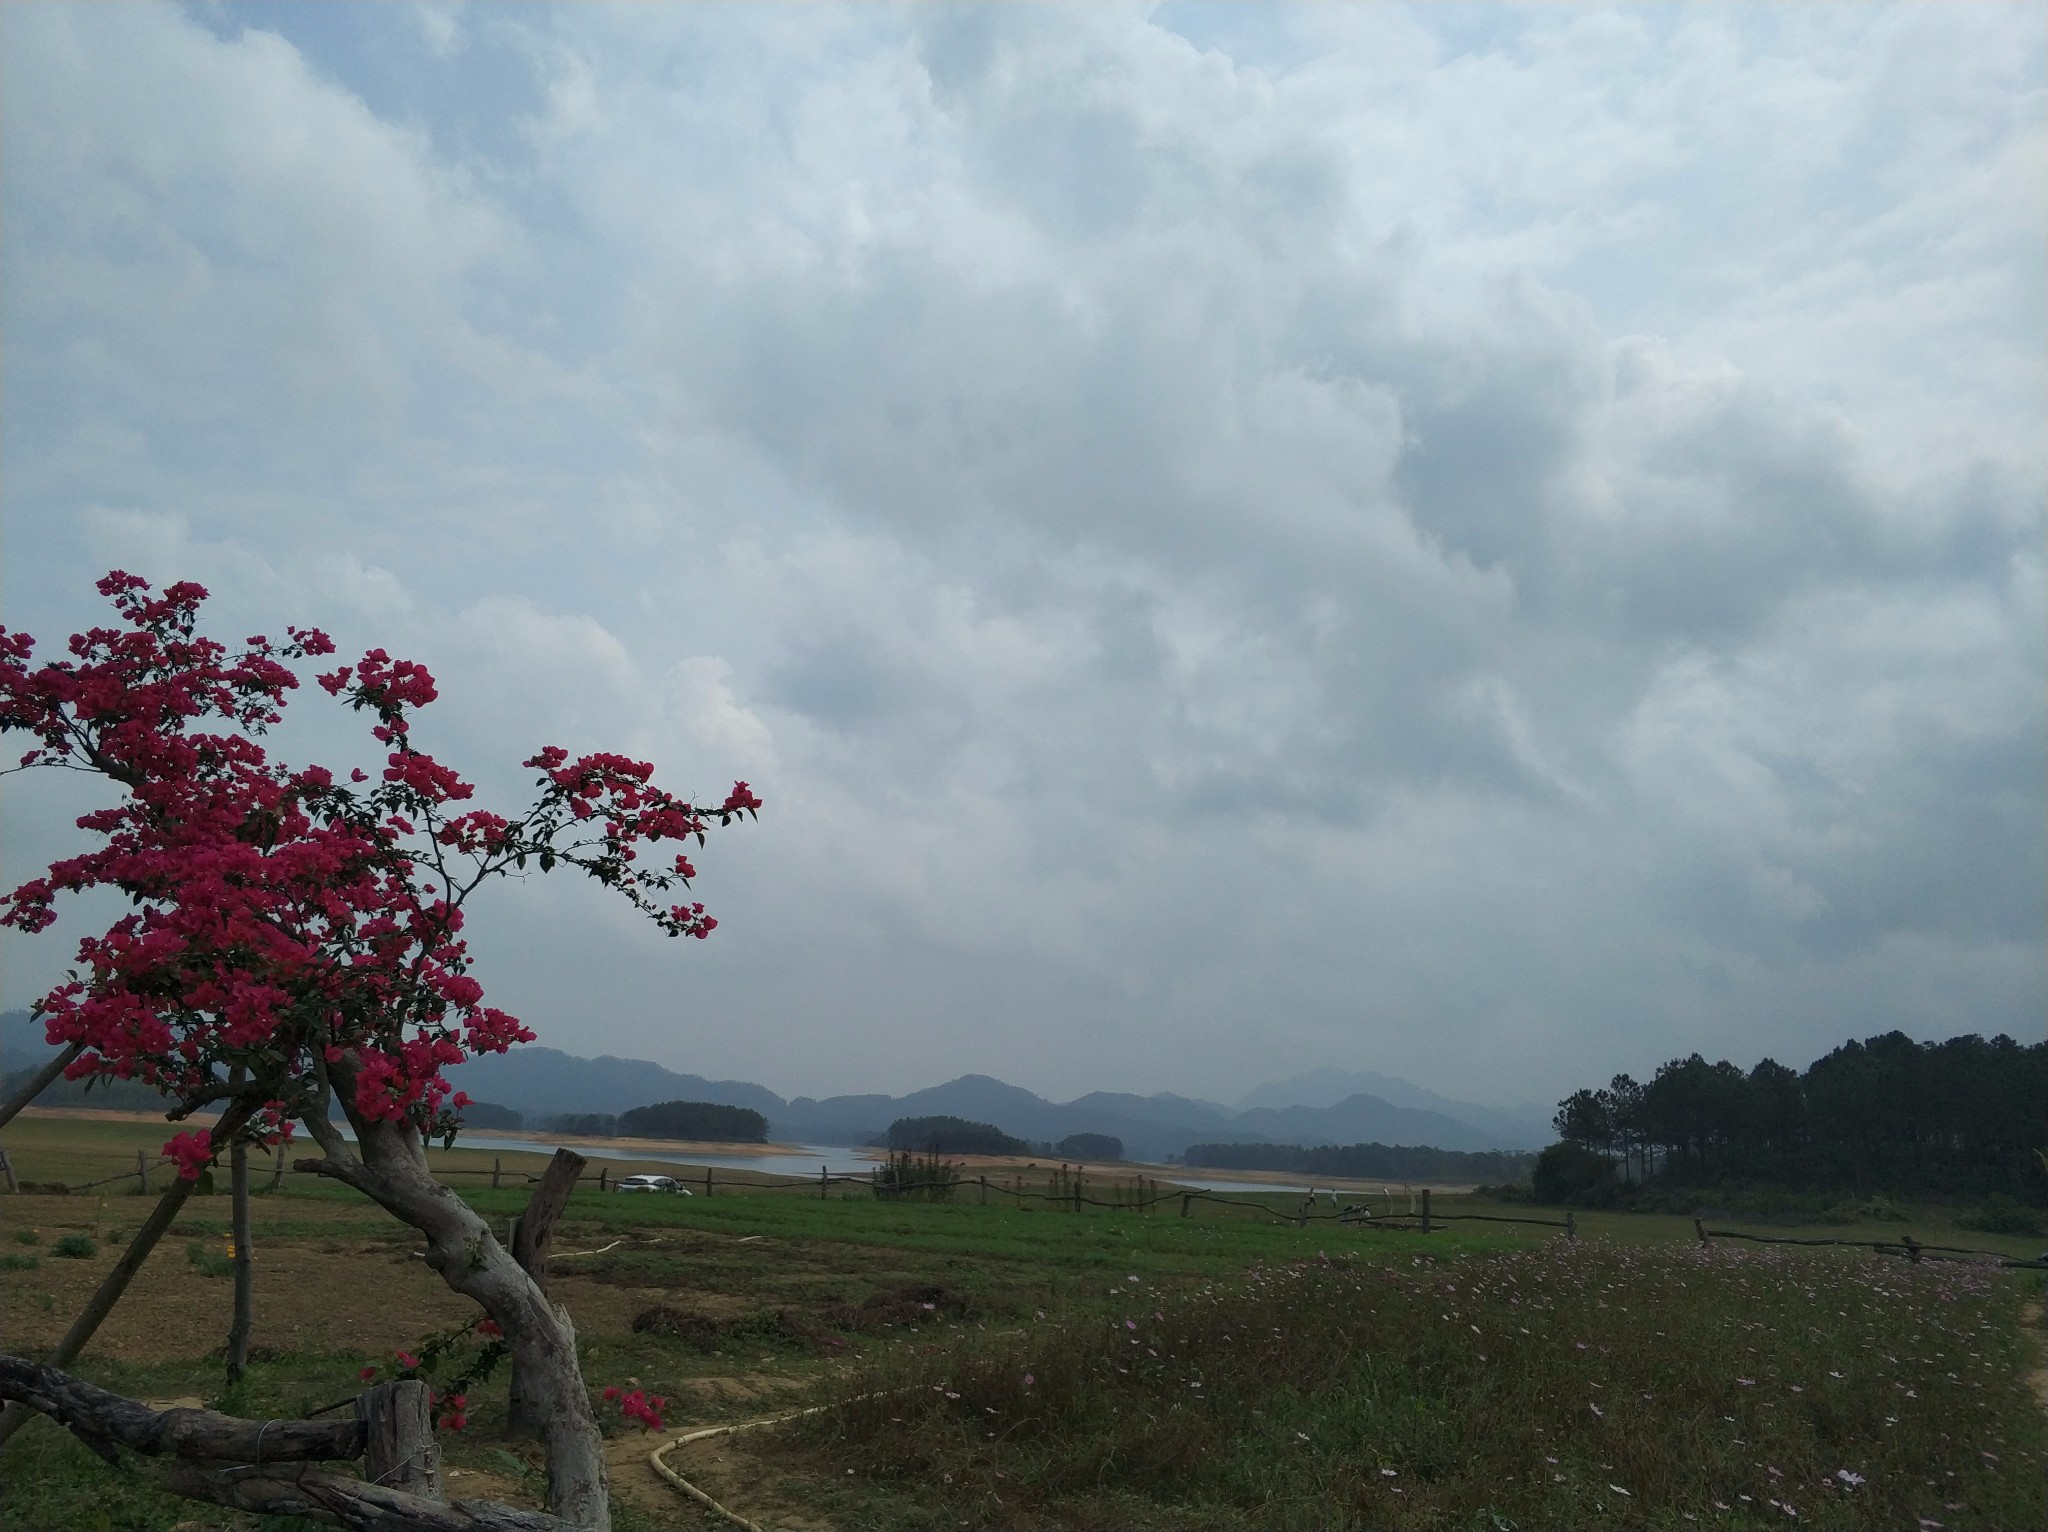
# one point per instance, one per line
(1964, 1115)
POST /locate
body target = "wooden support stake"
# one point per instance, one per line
(823, 1182)
(1185, 1199)
(37, 1082)
(398, 1446)
(244, 1256)
(1077, 1194)
(7, 1169)
(984, 1191)
(1426, 1226)
(602, 1172)
(141, 1174)
(707, 1180)
(1571, 1226)
(497, 1171)
(1700, 1228)
(277, 1170)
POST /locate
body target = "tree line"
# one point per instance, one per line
(959, 1135)
(701, 1121)
(1402, 1162)
(1966, 1115)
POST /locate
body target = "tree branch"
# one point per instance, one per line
(104, 1420)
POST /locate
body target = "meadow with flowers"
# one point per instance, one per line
(1563, 1385)
(1034, 1369)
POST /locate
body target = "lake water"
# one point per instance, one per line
(804, 1161)
(838, 1161)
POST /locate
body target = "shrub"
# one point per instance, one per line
(1869, 1210)
(75, 1247)
(2000, 1214)
(916, 1178)
(22, 1261)
(27, 1237)
(1574, 1175)
(208, 1261)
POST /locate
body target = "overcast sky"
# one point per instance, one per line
(1494, 545)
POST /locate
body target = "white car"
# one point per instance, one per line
(651, 1184)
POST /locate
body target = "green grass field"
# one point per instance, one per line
(1034, 1368)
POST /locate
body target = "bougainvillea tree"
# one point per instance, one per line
(294, 937)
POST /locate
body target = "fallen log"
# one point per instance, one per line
(104, 1420)
(260, 1465)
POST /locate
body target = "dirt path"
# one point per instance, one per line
(724, 1467)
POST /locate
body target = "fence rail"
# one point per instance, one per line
(1071, 1192)
(1905, 1245)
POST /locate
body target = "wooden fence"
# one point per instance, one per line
(1070, 1193)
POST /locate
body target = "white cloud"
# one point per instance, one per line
(1496, 544)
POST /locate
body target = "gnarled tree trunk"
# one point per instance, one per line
(390, 1168)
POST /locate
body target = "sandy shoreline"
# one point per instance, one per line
(973, 1164)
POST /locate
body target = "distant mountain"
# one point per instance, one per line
(541, 1082)
(1526, 1128)
(1326, 1106)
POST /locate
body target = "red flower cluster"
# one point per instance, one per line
(302, 929)
(637, 1406)
(454, 1410)
(190, 1152)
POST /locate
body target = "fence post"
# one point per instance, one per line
(277, 1169)
(497, 1169)
(141, 1174)
(7, 1169)
(1912, 1248)
(603, 1172)
(822, 1183)
(1571, 1225)
(1185, 1199)
(984, 1191)
(707, 1180)
(1700, 1228)
(1077, 1193)
(399, 1451)
(1301, 1214)
(1426, 1227)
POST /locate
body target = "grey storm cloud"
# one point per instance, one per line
(1497, 546)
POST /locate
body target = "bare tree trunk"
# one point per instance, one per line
(37, 1083)
(532, 1237)
(116, 1281)
(392, 1171)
